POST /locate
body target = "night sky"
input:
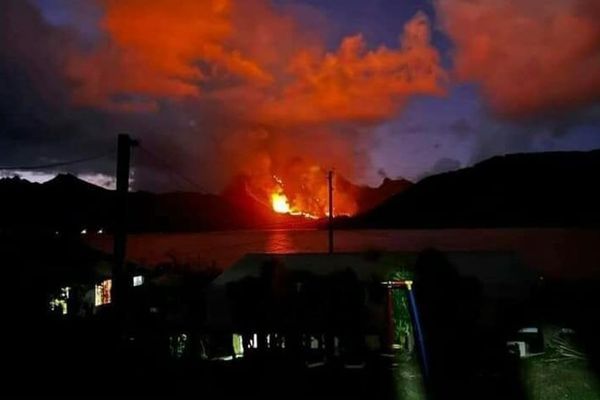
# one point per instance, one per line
(371, 88)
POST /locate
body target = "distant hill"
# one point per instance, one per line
(64, 203)
(68, 204)
(558, 189)
(367, 197)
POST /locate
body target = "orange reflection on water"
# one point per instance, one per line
(280, 241)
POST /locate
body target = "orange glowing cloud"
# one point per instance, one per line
(157, 50)
(248, 53)
(530, 56)
(357, 84)
(283, 109)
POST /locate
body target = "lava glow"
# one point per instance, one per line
(280, 203)
(304, 192)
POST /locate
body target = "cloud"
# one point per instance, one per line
(37, 124)
(218, 87)
(357, 84)
(154, 50)
(273, 100)
(530, 56)
(249, 54)
(461, 127)
(444, 165)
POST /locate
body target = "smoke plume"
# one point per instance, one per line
(278, 105)
(530, 56)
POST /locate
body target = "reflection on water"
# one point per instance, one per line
(280, 241)
(559, 251)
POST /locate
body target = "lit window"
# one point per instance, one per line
(238, 345)
(102, 293)
(58, 303)
(138, 280)
(254, 341)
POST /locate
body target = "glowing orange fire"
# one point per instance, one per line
(280, 203)
(305, 193)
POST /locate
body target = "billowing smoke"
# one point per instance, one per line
(530, 56)
(221, 88)
(37, 122)
(278, 105)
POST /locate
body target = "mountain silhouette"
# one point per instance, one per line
(68, 205)
(555, 189)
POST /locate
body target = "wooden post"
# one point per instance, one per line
(330, 182)
(120, 276)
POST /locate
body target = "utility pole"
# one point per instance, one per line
(330, 182)
(120, 275)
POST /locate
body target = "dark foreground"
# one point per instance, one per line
(86, 359)
(465, 333)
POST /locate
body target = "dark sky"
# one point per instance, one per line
(369, 87)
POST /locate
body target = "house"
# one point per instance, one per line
(335, 304)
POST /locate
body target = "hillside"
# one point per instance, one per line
(67, 204)
(537, 189)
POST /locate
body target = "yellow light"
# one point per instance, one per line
(280, 203)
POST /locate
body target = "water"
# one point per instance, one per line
(554, 252)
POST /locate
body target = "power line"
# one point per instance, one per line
(172, 170)
(56, 164)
